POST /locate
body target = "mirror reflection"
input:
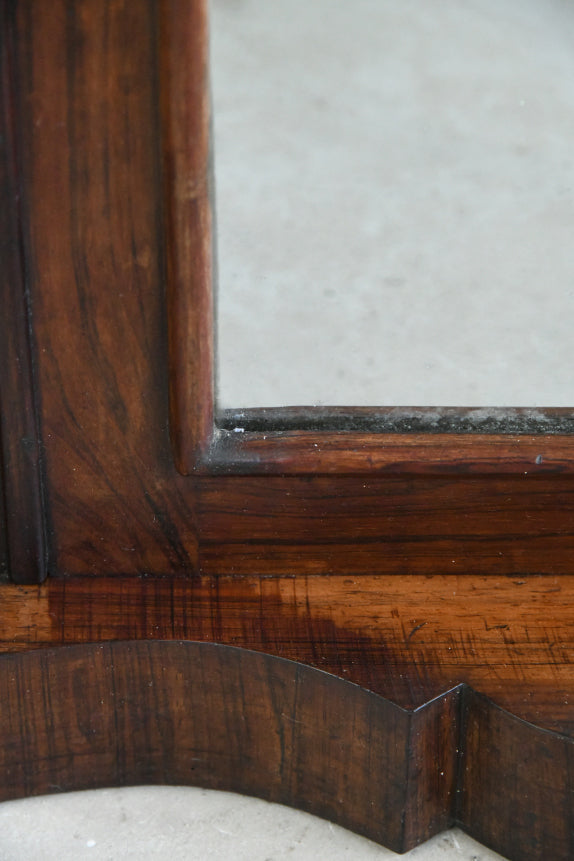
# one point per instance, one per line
(395, 201)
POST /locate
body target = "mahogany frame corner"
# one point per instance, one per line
(364, 613)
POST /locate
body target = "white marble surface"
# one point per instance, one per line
(395, 192)
(186, 824)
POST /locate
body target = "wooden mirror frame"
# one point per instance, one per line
(295, 440)
(379, 622)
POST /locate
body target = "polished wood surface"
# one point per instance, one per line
(186, 130)
(201, 714)
(223, 718)
(92, 155)
(23, 546)
(399, 736)
(408, 639)
(429, 574)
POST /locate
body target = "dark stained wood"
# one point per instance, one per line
(408, 639)
(91, 170)
(431, 575)
(304, 451)
(23, 520)
(3, 536)
(117, 503)
(223, 718)
(386, 524)
(503, 759)
(187, 167)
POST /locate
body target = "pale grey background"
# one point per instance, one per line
(186, 824)
(395, 201)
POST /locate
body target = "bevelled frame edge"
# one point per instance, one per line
(188, 215)
(20, 436)
(302, 439)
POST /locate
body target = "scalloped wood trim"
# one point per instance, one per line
(187, 713)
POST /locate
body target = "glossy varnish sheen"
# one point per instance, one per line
(430, 575)
(97, 135)
(23, 546)
(407, 639)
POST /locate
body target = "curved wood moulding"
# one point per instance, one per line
(336, 610)
(188, 713)
(393, 706)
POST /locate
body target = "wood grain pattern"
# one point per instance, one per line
(117, 503)
(188, 193)
(505, 758)
(92, 176)
(408, 650)
(387, 524)
(430, 575)
(305, 451)
(407, 639)
(23, 508)
(223, 718)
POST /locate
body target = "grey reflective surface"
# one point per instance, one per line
(395, 196)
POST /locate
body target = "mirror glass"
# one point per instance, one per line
(395, 202)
